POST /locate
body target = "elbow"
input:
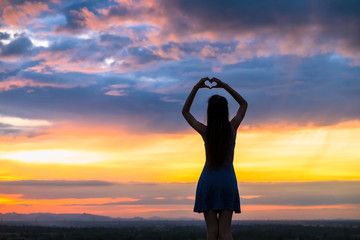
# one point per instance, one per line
(184, 112)
(244, 103)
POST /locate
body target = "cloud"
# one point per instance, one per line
(22, 12)
(19, 46)
(64, 44)
(116, 89)
(76, 15)
(280, 59)
(131, 65)
(14, 126)
(289, 27)
(242, 16)
(289, 89)
(19, 122)
(13, 83)
(4, 35)
(314, 193)
(114, 41)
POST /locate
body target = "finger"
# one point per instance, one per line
(207, 86)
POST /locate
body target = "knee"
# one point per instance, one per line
(225, 232)
(213, 232)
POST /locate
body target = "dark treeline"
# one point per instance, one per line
(348, 231)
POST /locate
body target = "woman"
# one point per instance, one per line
(217, 193)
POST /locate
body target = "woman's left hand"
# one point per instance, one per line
(219, 83)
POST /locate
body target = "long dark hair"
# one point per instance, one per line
(217, 132)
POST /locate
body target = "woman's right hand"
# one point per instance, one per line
(201, 83)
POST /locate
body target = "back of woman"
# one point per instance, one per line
(217, 194)
(220, 138)
(217, 186)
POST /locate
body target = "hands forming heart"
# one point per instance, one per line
(210, 83)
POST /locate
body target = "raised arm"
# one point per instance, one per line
(240, 114)
(198, 126)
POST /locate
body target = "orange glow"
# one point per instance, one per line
(113, 154)
(190, 197)
(250, 196)
(16, 200)
(264, 154)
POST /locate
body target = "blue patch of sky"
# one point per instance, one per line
(143, 27)
(49, 22)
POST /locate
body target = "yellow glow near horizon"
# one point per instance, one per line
(80, 152)
(55, 156)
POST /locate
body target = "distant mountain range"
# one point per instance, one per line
(91, 220)
(65, 219)
(53, 217)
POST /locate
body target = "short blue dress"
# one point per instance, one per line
(217, 189)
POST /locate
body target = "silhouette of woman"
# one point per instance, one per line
(217, 193)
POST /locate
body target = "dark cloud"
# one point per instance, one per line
(19, 46)
(22, 2)
(115, 42)
(120, 11)
(341, 20)
(335, 19)
(194, 48)
(8, 130)
(75, 22)
(4, 35)
(142, 55)
(235, 15)
(10, 69)
(63, 44)
(130, 11)
(14, 131)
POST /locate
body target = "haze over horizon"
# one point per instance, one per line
(91, 95)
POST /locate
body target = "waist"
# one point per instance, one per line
(224, 166)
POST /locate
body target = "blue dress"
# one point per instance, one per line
(217, 189)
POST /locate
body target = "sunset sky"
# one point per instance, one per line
(91, 94)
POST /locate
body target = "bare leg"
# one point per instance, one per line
(225, 217)
(212, 228)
